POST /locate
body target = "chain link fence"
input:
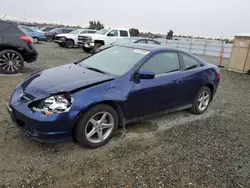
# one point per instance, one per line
(200, 46)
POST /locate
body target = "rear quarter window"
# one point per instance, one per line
(189, 62)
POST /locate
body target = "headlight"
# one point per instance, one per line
(62, 38)
(89, 39)
(54, 104)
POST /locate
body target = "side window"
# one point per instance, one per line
(162, 63)
(113, 33)
(151, 42)
(65, 30)
(189, 62)
(91, 31)
(142, 41)
(85, 31)
(59, 31)
(123, 33)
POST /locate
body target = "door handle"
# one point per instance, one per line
(179, 81)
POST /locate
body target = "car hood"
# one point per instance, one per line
(63, 78)
(67, 35)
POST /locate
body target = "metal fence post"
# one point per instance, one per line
(205, 45)
(166, 42)
(177, 44)
(190, 49)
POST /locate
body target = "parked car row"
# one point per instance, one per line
(93, 41)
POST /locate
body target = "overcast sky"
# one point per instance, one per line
(189, 17)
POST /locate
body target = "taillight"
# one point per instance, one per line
(218, 75)
(26, 39)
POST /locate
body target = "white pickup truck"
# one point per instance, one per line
(70, 40)
(92, 42)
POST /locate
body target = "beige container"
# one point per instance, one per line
(240, 55)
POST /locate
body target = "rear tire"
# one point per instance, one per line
(61, 45)
(202, 100)
(36, 40)
(88, 134)
(11, 62)
(49, 39)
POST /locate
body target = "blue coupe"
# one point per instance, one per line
(35, 33)
(87, 100)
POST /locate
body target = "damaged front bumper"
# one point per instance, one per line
(49, 129)
(41, 128)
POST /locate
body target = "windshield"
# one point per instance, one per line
(53, 30)
(102, 31)
(76, 31)
(116, 60)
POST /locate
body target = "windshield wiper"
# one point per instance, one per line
(95, 69)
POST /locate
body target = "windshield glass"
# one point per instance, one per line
(76, 31)
(116, 60)
(102, 31)
(53, 30)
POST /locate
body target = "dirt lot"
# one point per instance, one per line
(174, 150)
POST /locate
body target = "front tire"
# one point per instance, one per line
(97, 126)
(88, 50)
(202, 100)
(70, 43)
(96, 47)
(11, 62)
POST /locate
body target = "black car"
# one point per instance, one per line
(50, 36)
(16, 47)
(130, 40)
(47, 28)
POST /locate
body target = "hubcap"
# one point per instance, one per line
(99, 127)
(35, 40)
(10, 62)
(203, 100)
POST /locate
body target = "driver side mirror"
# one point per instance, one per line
(144, 75)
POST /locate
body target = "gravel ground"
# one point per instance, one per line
(173, 150)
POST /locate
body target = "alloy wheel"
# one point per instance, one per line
(70, 44)
(10, 62)
(99, 127)
(203, 100)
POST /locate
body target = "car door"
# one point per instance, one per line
(113, 35)
(152, 95)
(191, 77)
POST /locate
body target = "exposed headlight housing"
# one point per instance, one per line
(53, 104)
(89, 39)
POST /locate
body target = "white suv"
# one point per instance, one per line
(70, 40)
(92, 42)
